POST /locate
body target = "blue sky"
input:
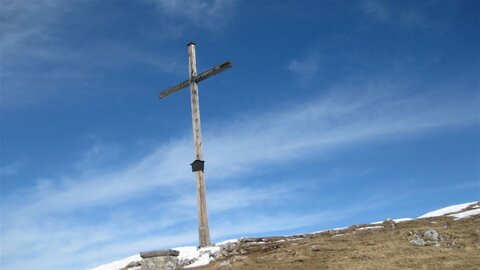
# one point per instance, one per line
(335, 113)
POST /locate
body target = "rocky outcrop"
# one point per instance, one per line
(429, 238)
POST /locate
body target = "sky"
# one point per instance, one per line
(334, 113)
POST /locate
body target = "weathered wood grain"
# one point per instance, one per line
(203, 230)
(192, 82)
(197, 78)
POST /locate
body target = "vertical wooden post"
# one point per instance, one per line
(203, 230)
(198, 163)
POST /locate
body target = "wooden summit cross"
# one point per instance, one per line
(198, 163)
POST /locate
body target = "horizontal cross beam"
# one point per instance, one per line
(200, 77)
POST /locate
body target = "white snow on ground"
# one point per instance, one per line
(376, 222)
(370, 228)
(118, 264)
(201, 256)
(447, 210)
(227, 242)
(334, 229)
(466, 214)
(402, 219)
(189, 253)
(394, 220)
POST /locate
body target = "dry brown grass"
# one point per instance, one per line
(381, 248)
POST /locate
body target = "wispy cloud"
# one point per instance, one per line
(105, 211)
(210, 15)
(26, 21)
(12, 168)
(377, 9)
(41, 61)
(305, 68)
(23, 23)
(409, 15)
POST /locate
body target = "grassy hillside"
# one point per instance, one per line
(430, 243)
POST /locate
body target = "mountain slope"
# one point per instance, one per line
(448, 238)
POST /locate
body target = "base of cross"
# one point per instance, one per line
(198, 165)
(166, 259)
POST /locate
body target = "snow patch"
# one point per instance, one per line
(394, 220)
(398, 220)
(447, 210)
(466, 214)
(226, 242)
(118, 264)
(201, 256)
(370, 228)
(192, 255)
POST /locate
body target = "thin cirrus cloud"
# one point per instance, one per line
(13, 168)
(37, 68)
(314, 127)
(24, 21)
(409, 16)
(212, 15)
(305, 68)
(352, 114)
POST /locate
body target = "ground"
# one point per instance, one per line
(430, 243)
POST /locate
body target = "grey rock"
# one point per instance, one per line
(429, 238)
(184, 262)
(431, 235)
(159, 263)
(159, 253)
(418, 241)
(229, 248)
(165, 259)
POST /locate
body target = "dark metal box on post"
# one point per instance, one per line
(198, 165)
